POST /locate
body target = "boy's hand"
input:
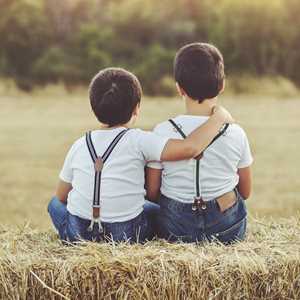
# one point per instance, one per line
(222, 114)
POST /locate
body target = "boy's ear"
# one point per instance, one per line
(136, 111)
(180, 90)
(223, 86)
(135, 114)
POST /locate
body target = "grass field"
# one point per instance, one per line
(36, 132)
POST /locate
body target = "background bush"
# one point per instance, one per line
(48, 41)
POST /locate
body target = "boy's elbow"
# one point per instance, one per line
(245, 194)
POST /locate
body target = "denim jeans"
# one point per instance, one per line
(178, 222)
(72, 228)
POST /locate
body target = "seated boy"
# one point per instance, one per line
(203, 198)
(101, 188)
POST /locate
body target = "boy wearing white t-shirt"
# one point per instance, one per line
(203, 198)
(101, 189)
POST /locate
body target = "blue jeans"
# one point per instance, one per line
(178, 222)
(72, 228)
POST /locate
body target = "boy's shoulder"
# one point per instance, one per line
(189, 123)
(165, 129)
(133, 134)
(237, 130)
(77, 144)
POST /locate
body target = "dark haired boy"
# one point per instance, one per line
(101, 188)
(203, 198)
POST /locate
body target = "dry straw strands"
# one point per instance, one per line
(35, 265)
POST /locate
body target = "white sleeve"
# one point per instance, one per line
(66, 173)
(151, 145)
(246, 157)
(155, 165)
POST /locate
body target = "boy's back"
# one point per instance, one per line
(122, 192)
(218, 166)
(201, 199)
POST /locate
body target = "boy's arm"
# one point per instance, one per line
(245, 182)
(198, 140)
(62, 190)
(64, 185)
(153, 183)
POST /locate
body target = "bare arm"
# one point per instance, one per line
(245, 182)
(62, 190)
(153, 183)
(198, 140)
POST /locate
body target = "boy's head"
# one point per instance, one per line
(114, 95)
(199, 71)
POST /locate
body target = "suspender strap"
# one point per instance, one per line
(179, 130)
(98, 164)
(221, 132)
(197, 178)
(198, 200)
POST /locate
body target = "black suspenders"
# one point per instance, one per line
(99, 163)
(198, 201)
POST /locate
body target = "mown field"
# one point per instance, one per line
(36, 132)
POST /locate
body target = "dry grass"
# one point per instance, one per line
(34, 265)
(36, 132)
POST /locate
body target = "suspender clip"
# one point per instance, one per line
(93, 222)
(199, 204)
(194, 206)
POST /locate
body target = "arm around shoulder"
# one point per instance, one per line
(198, 140)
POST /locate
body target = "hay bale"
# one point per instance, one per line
(35, 265)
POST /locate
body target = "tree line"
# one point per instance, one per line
(47, 41)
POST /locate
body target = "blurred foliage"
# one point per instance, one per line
(68, 41)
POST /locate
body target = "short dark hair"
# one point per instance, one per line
(114, 94)
(199, 70)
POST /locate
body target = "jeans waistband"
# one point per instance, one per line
(184, 207)
(187, 207)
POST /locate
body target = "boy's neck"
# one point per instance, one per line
(107, 127)
(193, 107)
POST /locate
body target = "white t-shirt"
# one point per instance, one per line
(122, 182)
(218, 166)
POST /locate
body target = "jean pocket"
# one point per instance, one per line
(228, 209)
(234, 233)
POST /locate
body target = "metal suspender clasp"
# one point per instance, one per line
(199, 204)
(93, 222)
(194, 206)
(96, 220)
